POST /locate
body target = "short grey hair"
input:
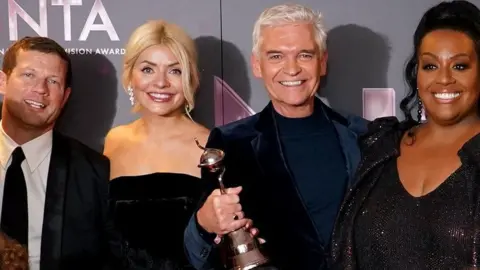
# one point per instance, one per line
(290, 13)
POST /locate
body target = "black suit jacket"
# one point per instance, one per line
(78, 231)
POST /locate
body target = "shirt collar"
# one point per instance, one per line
(35, 150)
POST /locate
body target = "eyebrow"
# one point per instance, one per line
(302, 51)
(153, 64)
(455, 56)
(26, 68)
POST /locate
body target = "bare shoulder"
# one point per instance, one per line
(116, 137)
(201, 133)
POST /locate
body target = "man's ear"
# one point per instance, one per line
(255, 62)
(66, 96)
(323, 63)
(3, 82)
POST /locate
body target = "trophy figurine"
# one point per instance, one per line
(243, 250)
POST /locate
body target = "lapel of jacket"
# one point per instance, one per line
(51, 247)
(266, 146)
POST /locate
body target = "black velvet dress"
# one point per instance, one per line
(151, 213)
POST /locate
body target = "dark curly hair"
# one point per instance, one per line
(13, 256)
(458, 15)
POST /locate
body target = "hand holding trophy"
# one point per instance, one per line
(243, 249)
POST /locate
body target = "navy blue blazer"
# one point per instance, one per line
(255, 161)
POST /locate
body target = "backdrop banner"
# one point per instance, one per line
(369, 42)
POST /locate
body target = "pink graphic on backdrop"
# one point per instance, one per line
(378, 102)
(229, 106)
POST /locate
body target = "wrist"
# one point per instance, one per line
(201, 222)
(202, 229)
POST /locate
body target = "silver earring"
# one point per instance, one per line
(130, 94)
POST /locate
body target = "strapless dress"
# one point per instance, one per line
(151, 213)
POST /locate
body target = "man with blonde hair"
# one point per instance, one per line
(289, 166)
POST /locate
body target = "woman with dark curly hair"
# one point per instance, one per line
(13, 256)
(416, 204)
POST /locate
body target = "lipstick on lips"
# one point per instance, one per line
(161, 97)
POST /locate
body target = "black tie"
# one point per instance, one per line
(14, 220)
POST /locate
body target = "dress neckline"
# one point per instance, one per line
(175, 174)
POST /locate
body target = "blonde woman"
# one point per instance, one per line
(155, 182)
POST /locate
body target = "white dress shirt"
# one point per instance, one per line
(35, 169)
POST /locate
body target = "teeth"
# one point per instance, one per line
(291, 83)
(446, 95)
(35, 104)
(160, 95)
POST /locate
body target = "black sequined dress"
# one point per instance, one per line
(381, 226)
(398, 231)
(151, 213)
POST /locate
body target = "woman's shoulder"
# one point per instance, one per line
(200, 132)
(116, 137)
(119, 130)
(201, 129)
(384, 128)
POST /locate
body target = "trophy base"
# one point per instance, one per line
(243, 251)
(248, 260)
(239, 262)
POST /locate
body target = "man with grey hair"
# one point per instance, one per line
(289, 166)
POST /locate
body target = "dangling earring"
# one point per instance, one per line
(420, 110)
(130, 94)
(187, 111)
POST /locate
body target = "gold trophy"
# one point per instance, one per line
(243, 250)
